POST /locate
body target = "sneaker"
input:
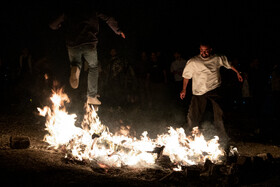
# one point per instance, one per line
(93, 100)
(74, 77)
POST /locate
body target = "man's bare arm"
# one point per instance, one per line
(183, 92)
(240, 79)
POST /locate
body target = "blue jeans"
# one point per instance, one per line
(88, 53)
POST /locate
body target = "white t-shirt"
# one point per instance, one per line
(205, 72)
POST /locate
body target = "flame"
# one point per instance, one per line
(94, 141)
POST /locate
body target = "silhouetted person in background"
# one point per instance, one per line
(25, 63)
(115, 79)
(246, 95)
(275, 88)
(157, 79)
(204, 70)
(231, 88)
(81, 26)
(257, 84)
(176, 69)
(141, 70)
(25, 84)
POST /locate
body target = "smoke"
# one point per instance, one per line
(155, 120)
(208, 130)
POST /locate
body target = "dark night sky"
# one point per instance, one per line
(238, 28)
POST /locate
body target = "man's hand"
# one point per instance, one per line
(240, 79)
(122, 35)
(183, 94)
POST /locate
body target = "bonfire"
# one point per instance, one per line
(94, 142)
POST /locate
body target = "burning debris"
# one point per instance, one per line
(94, 141)
(95, 154)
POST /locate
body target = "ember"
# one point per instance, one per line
(94, 141)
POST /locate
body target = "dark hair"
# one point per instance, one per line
(207, 43)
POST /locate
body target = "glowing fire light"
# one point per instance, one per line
(95, 142)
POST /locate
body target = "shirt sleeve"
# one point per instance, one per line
(224, 62)
(188, 70)
(113, 24)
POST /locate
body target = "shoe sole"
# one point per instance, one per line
(97, 102)
(74, 83)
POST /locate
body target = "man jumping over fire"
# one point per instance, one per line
(81, 26)
(204, 70)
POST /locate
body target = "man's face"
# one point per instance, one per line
(205, 51)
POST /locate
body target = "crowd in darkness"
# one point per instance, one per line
(258, 95)
(145, 79)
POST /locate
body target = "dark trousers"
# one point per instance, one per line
(198, 109)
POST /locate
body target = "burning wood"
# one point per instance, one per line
(233, 170)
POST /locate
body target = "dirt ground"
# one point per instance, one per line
(39, 165)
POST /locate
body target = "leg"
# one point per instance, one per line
(218, 119)
(196, 110)
(75, 56)
(90, 55)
